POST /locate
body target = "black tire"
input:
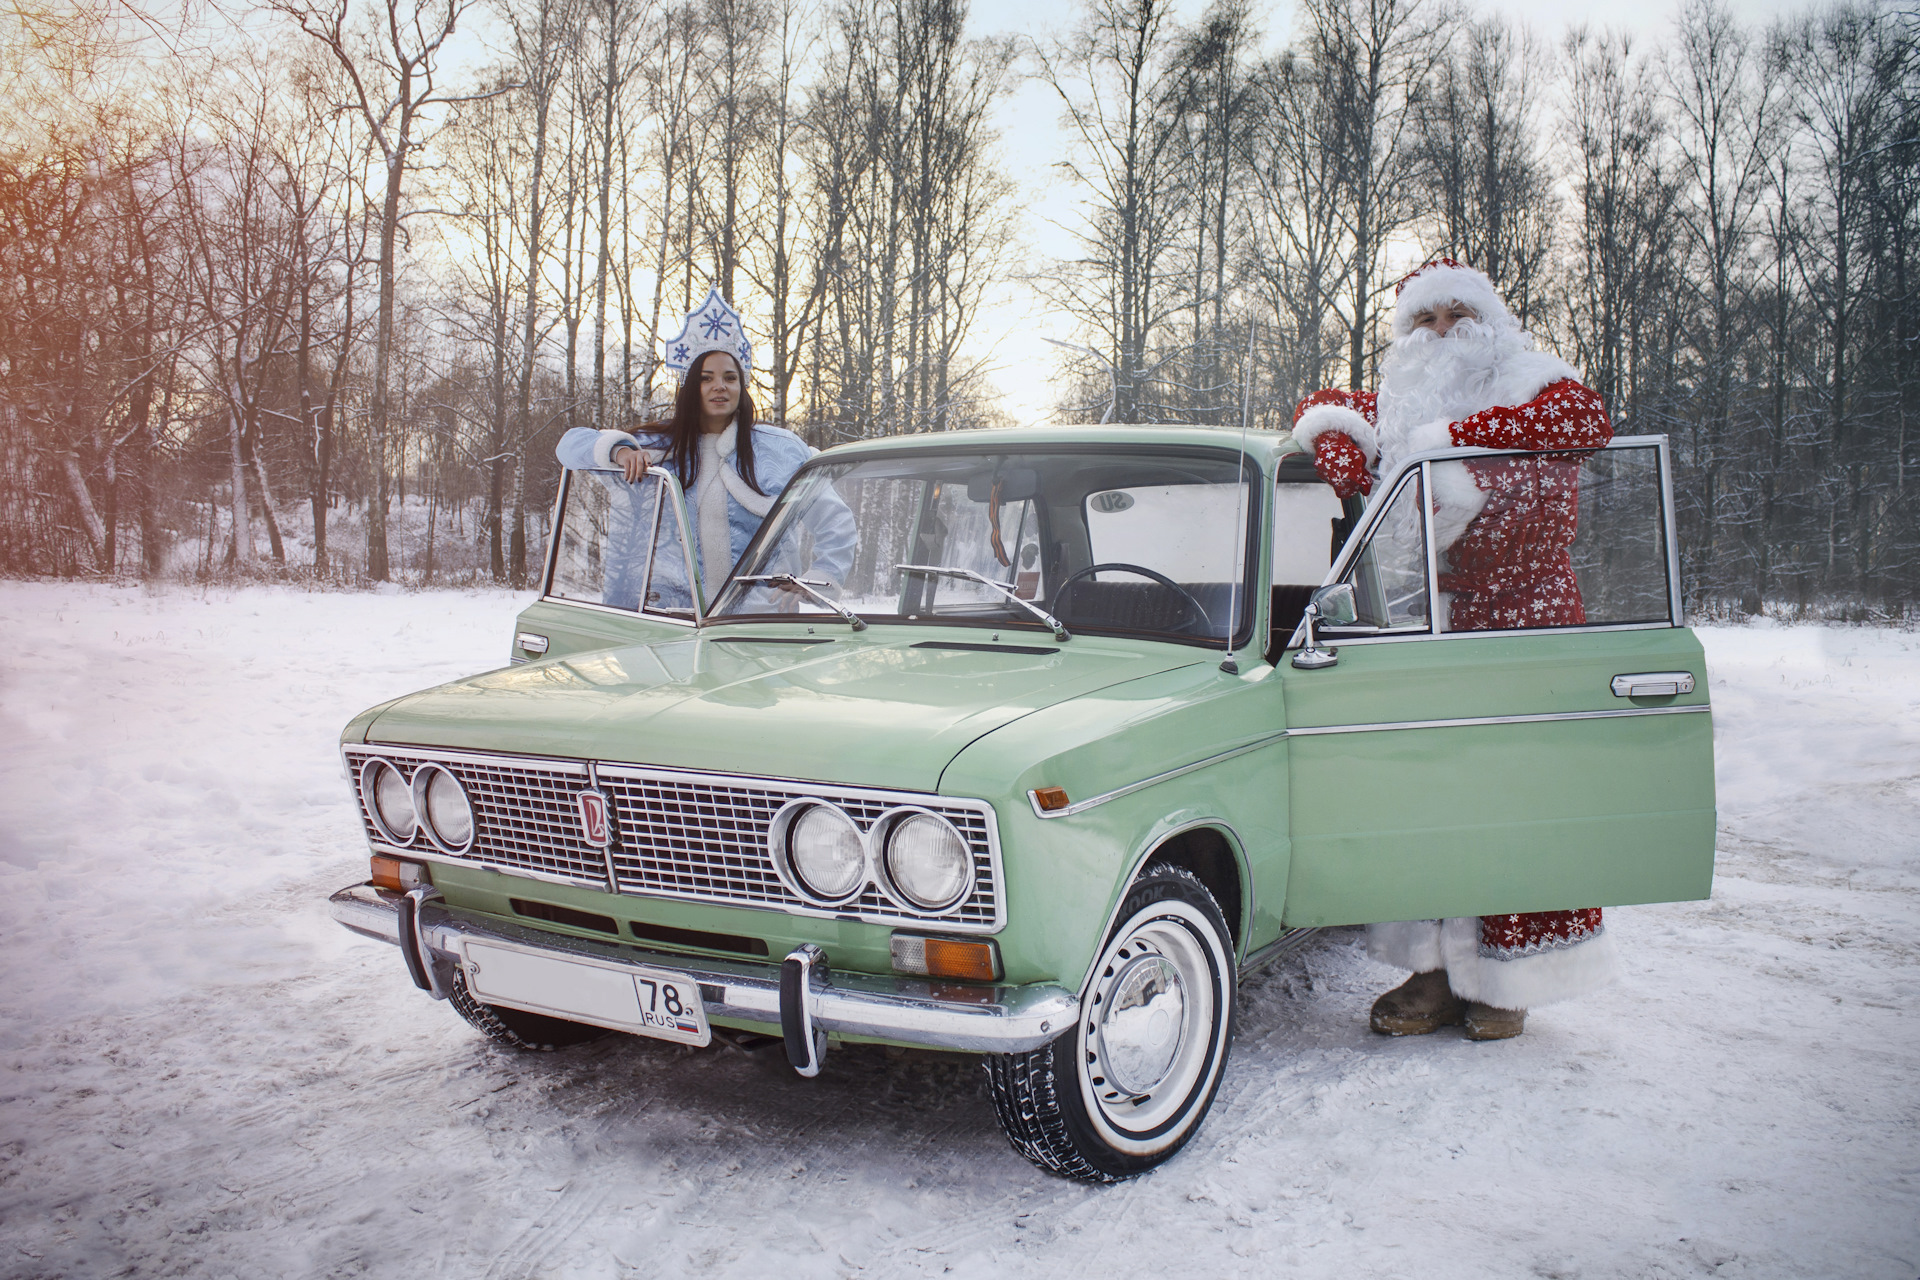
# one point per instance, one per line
(516, 1028)
(1064, 1106)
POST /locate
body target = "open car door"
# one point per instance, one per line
(618, 555)
(1438, 771)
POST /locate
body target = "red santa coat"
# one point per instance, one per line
(1506, 565)
(1509, 567)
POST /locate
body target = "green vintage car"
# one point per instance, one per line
(1030, 744)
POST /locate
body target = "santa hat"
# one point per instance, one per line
(1440, 281)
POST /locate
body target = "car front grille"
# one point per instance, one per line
(691, 836)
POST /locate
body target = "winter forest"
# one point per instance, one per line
(309, 290)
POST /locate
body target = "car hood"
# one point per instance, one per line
(873, 709)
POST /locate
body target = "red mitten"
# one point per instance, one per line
(1341, 464)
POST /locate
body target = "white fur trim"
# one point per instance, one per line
(606, 442)
(1437, 286)
(1407, 944)
(1317, 420)
(1559, 973)
(1525, 374)
(1428, 436)
(758, 503)
(1457, 500)
(1526, 983)
(737, 489)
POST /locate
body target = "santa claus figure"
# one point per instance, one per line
(1462, 372)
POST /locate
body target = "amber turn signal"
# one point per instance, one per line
(395, 874)
(1051, 798)
(969, 961)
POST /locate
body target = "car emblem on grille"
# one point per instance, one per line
(594, 828)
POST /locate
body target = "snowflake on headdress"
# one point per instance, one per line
(711, 326)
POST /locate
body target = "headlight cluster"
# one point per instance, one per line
(434, 803)
(916, 857)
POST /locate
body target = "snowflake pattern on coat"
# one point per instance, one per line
(1511, 937)
(1511, 567)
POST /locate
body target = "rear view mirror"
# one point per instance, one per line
(1017, 484)
(1335, 604)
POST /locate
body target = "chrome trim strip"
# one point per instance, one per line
(1284, 945)
(1433, 552)
(1471, 721)
(988, 1019)
(1584, 629)
(1084, 805)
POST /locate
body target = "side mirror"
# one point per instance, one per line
(1335, 604)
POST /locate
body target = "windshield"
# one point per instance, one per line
(1134, 541)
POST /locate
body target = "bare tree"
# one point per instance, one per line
(1487, 193)
(391, 67)
(1377, 56)
(1112, 81)
(1727, 115)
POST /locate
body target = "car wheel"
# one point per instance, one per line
(1129, 1083)
(516, 1028)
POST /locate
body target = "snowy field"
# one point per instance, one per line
(205, 1076)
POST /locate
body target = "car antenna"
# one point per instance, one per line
(1227, 664)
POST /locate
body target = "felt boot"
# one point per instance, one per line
(1484, 1022)
(1421, 1004)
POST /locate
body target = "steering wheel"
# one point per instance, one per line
(1186, 597)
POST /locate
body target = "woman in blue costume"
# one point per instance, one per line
(731, 468)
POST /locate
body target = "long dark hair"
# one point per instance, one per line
(683, 428)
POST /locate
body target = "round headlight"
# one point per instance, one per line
(443, 807)
(824, 850)
(390, 799)
(928, 862)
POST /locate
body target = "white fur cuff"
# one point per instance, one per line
(1320, 419)
(1428, 436)
(609, 440)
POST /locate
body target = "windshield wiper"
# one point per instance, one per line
(807, 585)
(1052, 623)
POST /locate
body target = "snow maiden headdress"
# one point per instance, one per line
(712, 326)
(1439, 281)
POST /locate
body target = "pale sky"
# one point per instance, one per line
(1011, 331)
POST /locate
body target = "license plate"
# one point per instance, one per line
(644, 1001)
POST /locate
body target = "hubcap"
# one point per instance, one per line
(1142, 1023)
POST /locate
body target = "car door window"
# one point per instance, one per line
(1545, 540)
(1389, 576)
(618, 545)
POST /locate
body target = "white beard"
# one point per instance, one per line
(1428, 382)
(1426, 378)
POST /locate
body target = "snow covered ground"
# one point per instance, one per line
(204, 1076)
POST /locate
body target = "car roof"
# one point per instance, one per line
(1262, 445)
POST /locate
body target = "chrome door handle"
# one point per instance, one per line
(1653, 684)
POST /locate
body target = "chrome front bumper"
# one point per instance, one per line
(1004, 1019)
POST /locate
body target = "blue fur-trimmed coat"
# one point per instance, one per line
(777, 455)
